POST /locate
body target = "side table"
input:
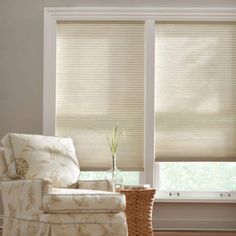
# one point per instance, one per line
(139, 205)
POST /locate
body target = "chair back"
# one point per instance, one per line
(40, 157)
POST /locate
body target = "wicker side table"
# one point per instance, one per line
(139, 205)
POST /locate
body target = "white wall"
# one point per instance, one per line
(21, 89)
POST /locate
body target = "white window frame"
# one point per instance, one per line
(149, 16)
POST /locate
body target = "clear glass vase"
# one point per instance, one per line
(115, 176)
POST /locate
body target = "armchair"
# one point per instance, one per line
(42, 206)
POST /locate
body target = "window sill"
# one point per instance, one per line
(194, 200)
(196, 197)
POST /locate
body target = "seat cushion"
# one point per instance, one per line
(81, 200)
(36, 156)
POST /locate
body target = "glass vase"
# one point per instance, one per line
(115, 176)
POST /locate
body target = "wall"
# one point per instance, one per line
(21, 80)
(194, 216)
(21, 54)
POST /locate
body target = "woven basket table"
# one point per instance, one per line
(139, 205)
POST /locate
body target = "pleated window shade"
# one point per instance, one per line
(195, 92)
(100, 83)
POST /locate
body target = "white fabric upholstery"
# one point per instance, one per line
(33, 206)
(24, 211)
(32, 228)
(36, 156)
(82, 200)
(3, 167)
(84, 218)
(23, 199)
(103, 185)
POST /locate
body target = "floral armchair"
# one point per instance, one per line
(43, 196)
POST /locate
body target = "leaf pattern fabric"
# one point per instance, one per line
(3, 166)
(36, 156)
(43, 197)
(26, 202)
(81, 200)
(104, 185)
(28, 228)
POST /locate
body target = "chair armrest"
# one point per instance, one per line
(23, 198)
(103, 185)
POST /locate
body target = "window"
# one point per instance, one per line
(195, 106)
(197, 176)
(186, 141)
(100, 84)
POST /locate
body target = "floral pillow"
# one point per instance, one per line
(36, 156)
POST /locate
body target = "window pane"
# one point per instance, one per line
(195, 91)
(100, 84)
(129, 177)
(197, 176)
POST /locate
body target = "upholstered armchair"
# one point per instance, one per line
(43, 196)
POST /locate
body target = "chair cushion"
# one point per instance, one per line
(36, 156)
(102, 184)
(81, 200)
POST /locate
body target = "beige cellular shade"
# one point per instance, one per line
(195, 92)
(100, 83)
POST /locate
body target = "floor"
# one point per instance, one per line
(195, 234)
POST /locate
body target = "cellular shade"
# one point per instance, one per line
(195, 92)
(100, 84)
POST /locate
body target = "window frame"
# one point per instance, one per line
(150, 16)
